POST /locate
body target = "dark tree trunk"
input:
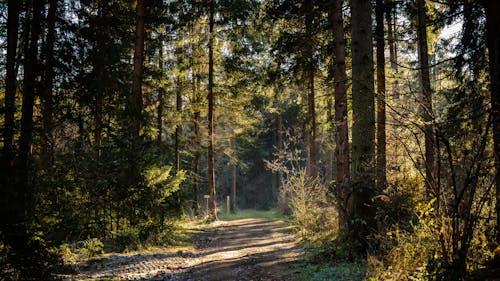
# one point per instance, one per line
(381, 135)
(342, 171)
(197, 146)
(493, 42)
(178, 127)
(309, 76)
(426, 104)
(363, 130)
(161, 100)
(211, 154)
(21, 203)
(136, 97)
(10, 83)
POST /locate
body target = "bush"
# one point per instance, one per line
(92, 247)
(127, 239)
(311, 207)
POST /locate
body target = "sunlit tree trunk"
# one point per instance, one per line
(363, 130)
(493, 42)
(426, 95)
(381, 134)
(136, 97)
(211, 158)
(342, 172)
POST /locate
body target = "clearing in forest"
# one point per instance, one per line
(238, 249)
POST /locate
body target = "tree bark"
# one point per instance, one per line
(161, 100)
(426, 95)
(342, 171)
(10, 82)
(381, 114)
(136, 97)
(493, 43)
(197, 146)
(363, 130)
(178, 127)
(21, 203)
(309, 76)
(211, 158)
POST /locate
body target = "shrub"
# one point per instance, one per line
(92, 247)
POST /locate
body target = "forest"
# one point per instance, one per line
(370, 127)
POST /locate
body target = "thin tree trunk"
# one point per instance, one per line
(136, 97)
(427, 114)
(211, 159)
(233, 184)
(363, 130)
(161, 100)
(178, 127)
(493, 42)
(197, 146)
(313, 153)
(342, 172)
(381, 134)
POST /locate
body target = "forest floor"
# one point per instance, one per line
(235, 249)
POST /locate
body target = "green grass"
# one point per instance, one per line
(247, 214)
(344, 271)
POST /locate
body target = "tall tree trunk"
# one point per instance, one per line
(211, 158)
(178, 127)
(426, 103)
(136, 97)
(161, 100)
(342, 172)
(10, 81)
(363, 130)
(493, 42)
(196, 144)
(233, 184)
(309, 76)
(21, 197)
(47, 98)
(381, 135)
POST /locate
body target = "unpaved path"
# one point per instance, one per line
(245, 249)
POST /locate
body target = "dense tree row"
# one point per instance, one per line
(118, 116)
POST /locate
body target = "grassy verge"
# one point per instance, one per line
(345, 271)
(248, 214)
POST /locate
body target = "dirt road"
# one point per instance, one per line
(245, 249)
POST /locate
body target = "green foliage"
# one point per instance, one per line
(92, 247)
(344, 271)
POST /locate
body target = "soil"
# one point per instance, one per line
(244, 249)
